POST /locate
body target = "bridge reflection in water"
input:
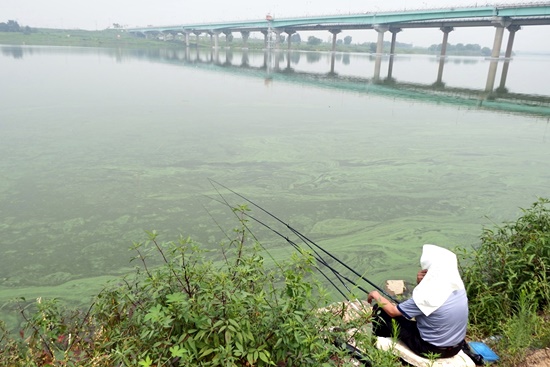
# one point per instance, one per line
(277, 66)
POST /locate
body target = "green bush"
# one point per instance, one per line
(193, 312)
(189, 311)
(512, 261)
(181, 308)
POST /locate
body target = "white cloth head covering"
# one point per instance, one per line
(440, 281)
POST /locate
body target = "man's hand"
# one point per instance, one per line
(421, 275)
(384, 304)
(374, 295)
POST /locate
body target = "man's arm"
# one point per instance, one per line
(384, 304)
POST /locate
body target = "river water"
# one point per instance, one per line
(99, 145)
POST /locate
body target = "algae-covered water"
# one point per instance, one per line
(98, 145)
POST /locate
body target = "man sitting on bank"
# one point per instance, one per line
(439, 305)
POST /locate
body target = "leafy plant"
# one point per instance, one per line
(511, 260)
(519, 331)
(189, 311)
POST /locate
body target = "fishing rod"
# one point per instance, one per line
(308, 241)
(319, 259)
(296, 246)
(352, 350)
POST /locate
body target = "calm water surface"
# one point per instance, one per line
(98, 145)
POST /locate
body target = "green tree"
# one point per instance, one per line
(347, 40)
(314, 41)
(373, 47)
(295, 38)
(10, 26)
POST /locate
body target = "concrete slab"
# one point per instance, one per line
(400, 349)
(395, 287)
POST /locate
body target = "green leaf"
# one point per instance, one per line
(264, 356)
(207, 352)
(176, 351)
(146, 363)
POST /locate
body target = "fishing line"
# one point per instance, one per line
(306, 240)
(297, 247)
(349, 348)
(245, 226)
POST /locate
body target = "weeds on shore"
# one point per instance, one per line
(190, 311)
(507, 280)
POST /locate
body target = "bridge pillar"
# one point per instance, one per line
(197, 33)
(228, 37)
(277, 38)
(216, 40)
(500, 25)
(379, 50)
(443, 54)
(277, 61)
(245, 35)
(265, 33)
(394, 32)
(244, 58)
(289, 33)
(512, 29)
(186, 35)
(288, 60)
(213, 38)
(334, 32)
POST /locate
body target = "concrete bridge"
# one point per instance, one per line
(506, 17)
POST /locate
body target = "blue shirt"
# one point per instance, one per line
(446, 326)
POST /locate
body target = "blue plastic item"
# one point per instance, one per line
(483, 350)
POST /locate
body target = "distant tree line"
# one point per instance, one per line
(460, 48)
(13, 26)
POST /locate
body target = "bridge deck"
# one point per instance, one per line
(524, 14)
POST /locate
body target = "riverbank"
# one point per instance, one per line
(121, 38)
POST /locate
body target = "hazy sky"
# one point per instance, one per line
(101, 14)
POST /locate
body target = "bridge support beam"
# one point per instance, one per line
(228, 37)
(186, 37)
(379, 50)
(443, 54)
(197, 33)
(266, 34)
(394, 32)
(500, 25)
(244, 58)
(214, 39)
(277, 38)
(288, 67)
(335, 33)
(289, 33)
(245, 35)
(508, 54)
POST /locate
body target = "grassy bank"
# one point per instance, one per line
(192, 311)
(79, 38)
(121, 38)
